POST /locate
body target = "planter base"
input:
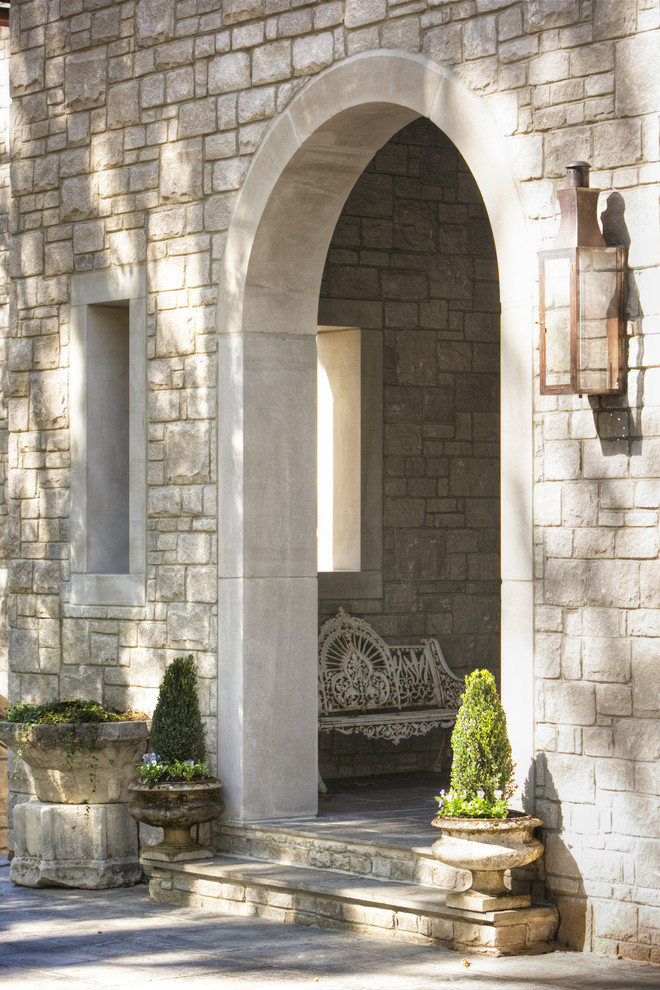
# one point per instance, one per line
(177, 846)
(472, 900)
(93, 846)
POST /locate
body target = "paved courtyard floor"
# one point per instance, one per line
(120, 939)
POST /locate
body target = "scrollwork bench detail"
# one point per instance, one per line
(381, 691)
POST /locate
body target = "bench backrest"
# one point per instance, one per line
(359, 672)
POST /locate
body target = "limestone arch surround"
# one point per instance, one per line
(267, 310)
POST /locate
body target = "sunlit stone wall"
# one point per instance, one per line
(133, 127)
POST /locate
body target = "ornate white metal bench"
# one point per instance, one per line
(380, 691)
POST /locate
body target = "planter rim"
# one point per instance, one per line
(145, 786)
(515, 820)
(42, 731)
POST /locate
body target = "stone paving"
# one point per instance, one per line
(110, 938)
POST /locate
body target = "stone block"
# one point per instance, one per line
(569, 702)
(650, 583)
(181, 171)
(637, 542)
(85, 85)
(614, 583)
(123, 105)
(313, 53)
(82, 681)
(193, 548)
(637, 85)
(201, 584)
(570, 777)
(614, 919)
(196, 119)
(229, 73)
(561, 460)
(90, 846)
(647, 861)
(271, 62)
(646, 677)
(154, 21)
(598, 741)
(566, 582)
(442, 44)
(473, 476)
(606, 659)
(360, 12)
(614, 699)
(637, 739)
(589, 543)
(79, 198)
(187, 453)
(188, 626)
(170, 583)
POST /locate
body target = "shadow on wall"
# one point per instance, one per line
(617, 418)
(564, 886)
(4, 787)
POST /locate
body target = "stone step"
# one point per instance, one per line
(313, 846)
(303, 895)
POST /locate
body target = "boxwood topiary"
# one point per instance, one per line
(482, 752)
(177, 730)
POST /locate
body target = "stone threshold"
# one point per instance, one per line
(325, 898)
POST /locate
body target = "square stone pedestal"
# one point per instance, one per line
(74, 845)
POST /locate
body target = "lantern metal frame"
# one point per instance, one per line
(581, 305)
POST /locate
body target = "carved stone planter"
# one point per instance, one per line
(89, 763)
(176, 807)
(77, 832)
(487, 847)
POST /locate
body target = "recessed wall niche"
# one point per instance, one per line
(108, 488)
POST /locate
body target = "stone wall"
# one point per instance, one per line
(133, 127)
(4, 328)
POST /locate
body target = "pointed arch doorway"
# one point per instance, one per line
(267, 318)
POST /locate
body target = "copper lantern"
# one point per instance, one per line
(581, 299)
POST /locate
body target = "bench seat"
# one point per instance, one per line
(381, 691)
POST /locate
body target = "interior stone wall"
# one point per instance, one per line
(414, 239)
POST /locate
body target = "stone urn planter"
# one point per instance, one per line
(487, 847)
(175, 806)
(77, 832)
(90, 762)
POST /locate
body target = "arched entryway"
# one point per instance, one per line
(267, 320)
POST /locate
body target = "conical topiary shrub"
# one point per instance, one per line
(482, 768)
(176, 789)
(177, 730)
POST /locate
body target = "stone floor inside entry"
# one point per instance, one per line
(396, 809)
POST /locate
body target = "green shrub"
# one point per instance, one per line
(177, 731)
(482, 768)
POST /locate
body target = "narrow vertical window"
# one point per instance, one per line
(108, 441)
(339, 449)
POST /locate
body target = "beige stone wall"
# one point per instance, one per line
(133, 127)
(4, 328)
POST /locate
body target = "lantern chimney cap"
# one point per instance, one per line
(577, 174)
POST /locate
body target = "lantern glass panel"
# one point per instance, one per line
(598, 320)
(557, 321)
